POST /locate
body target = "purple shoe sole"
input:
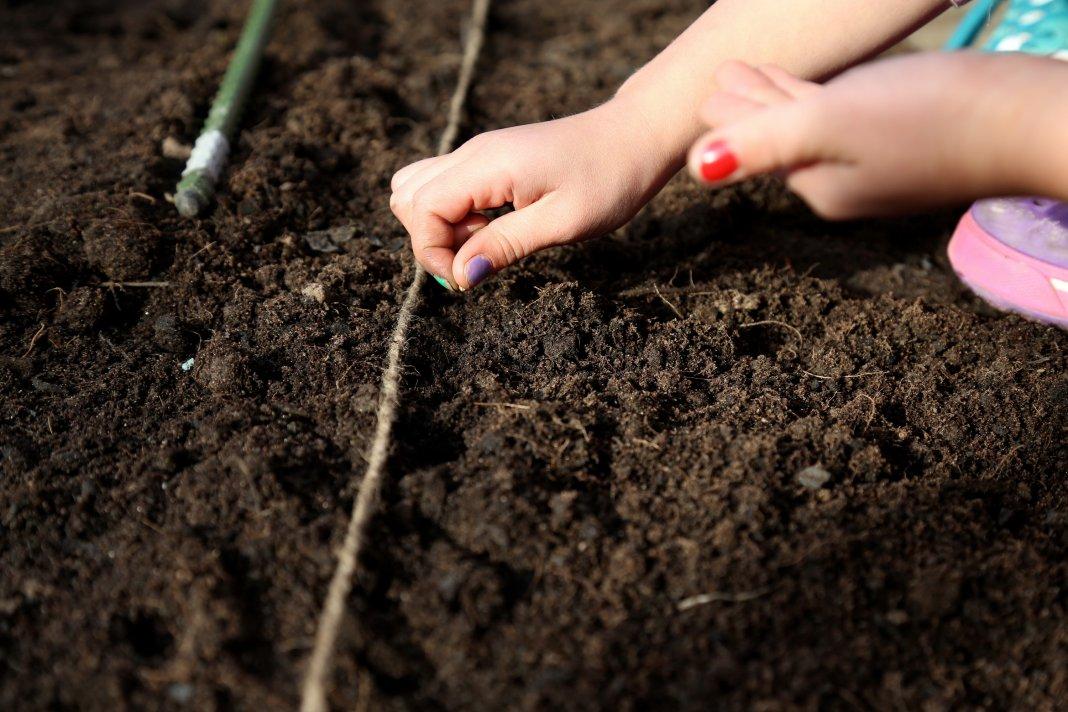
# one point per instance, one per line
(1007, 306)
(1013, 253)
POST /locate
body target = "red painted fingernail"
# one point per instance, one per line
(717, 161)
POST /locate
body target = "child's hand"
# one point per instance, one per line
(891, 136)
(567, 179)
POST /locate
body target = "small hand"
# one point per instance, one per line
(566, 179)
(886, 137)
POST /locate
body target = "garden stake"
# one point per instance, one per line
(321, 663)
(197, 185)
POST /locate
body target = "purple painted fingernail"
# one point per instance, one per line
(477, 269)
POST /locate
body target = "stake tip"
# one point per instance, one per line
(189, 203)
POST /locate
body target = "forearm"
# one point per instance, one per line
(810, 38)
(1039, 162)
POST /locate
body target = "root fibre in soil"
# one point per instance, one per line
(596, 495)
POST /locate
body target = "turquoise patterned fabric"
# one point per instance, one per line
(1033, 26)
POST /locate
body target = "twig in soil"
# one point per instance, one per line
(135, 285)
(1003, 461)
(647, 443)
(874, 408)
(321, 663)
(849, 375)
(142, 196)
(33, 341)
(149, 525)
(682, 291)
(202, 249)
(517, 406)
(720, 597)
(670, 305)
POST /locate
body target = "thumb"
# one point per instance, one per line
(777, 138)
(509, 239)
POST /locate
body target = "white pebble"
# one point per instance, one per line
(813, 477)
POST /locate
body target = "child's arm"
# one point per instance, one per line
(812, 39)
(587, 174)
(896, 135)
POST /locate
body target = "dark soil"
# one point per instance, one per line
(578, 455)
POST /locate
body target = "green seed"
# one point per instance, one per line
(442, 282)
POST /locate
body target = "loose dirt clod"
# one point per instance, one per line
(82, 309)
(223, 368)
(124, 251)
(169, 334)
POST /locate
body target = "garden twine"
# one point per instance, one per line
(321, 662)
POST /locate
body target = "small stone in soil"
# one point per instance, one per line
(42, 386)
(329, 240)
(813, 477)
(897, 617)
(180, 692)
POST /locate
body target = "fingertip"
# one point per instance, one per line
(510, 238)
(476, 270)
(712, 159)
(437, 261)
(398, 178)
(479, 257)
(468, 269)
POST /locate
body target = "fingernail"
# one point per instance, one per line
(442, 282)
(717, 161)
(477, 269)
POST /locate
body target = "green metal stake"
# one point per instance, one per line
(206, 162)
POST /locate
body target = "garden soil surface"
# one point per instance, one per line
(730, 456)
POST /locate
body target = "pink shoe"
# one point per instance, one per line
(1013, 252)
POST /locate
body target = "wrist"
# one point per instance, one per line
(1026, 108)
(638, 131)
(669, 125)
(1049, 146)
